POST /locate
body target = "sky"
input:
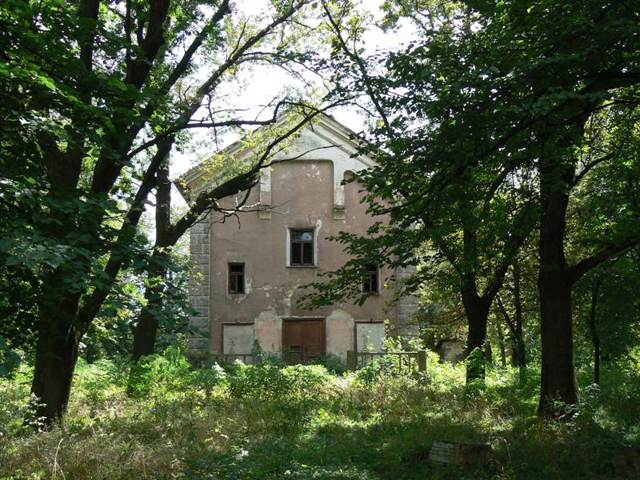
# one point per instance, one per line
(265, 83)
(256, 88)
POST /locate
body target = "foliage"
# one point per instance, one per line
(95, 97)
(494, 119)
(266, 422)
(617, 312)
(9, 360)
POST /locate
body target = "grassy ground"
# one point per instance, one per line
(301, 422)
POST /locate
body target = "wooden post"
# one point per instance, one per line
(352, 360)
(422, 360)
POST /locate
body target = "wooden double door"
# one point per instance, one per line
(303, 341)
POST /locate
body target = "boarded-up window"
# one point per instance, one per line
(371, 283)
(237, 339)
(301, 247)
(236, 278)
(369, 337)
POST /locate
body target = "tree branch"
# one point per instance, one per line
(591, 165)
(506, 316)
(246, 180)
(354, 57)
(108, 168)
(203, 124)
(614, 249)
(90, 307)
(88, 14)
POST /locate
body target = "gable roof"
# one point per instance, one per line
(323, 138)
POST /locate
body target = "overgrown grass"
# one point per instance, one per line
(302, 422)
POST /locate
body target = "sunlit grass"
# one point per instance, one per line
(304, 422)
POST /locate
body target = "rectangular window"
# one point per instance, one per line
(301, 247)
(236, 278)
(370, 284)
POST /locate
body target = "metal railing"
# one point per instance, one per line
(291, 357)
(416, 360)
(246, 358)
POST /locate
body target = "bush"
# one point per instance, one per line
(9, 360)
(279, 399)
(169, 371)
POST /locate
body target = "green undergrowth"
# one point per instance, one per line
(303, 422)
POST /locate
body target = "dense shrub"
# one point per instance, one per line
(9, 359)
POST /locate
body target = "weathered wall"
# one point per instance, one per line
(301, 196)
(269, 331)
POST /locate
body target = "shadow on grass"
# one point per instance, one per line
(529, 449)
(344, 452)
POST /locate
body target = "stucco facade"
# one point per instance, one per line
(302, 195)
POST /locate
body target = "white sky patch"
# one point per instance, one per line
(257, 86)
(261, 84)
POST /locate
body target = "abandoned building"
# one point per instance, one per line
(250, 270)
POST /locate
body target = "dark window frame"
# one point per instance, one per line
(301, 252)
(371, 281)
(236, 279)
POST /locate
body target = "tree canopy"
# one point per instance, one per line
(487, 124)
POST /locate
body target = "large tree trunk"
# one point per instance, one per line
(56, 353)
(144, 339)
(558, 369)
(554, 285)
(477, 312)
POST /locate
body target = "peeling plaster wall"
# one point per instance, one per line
(325, 143)
(301, 196)
(269, 331)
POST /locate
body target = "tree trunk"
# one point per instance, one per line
(503, 353)
(477, 312)
(594, 331)
(144, 338)
(518, 347)
(558, 369)
(596, 361)
(554, 285)
(518, 351)
(56, 353)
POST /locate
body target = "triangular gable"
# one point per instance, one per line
(322, 139)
